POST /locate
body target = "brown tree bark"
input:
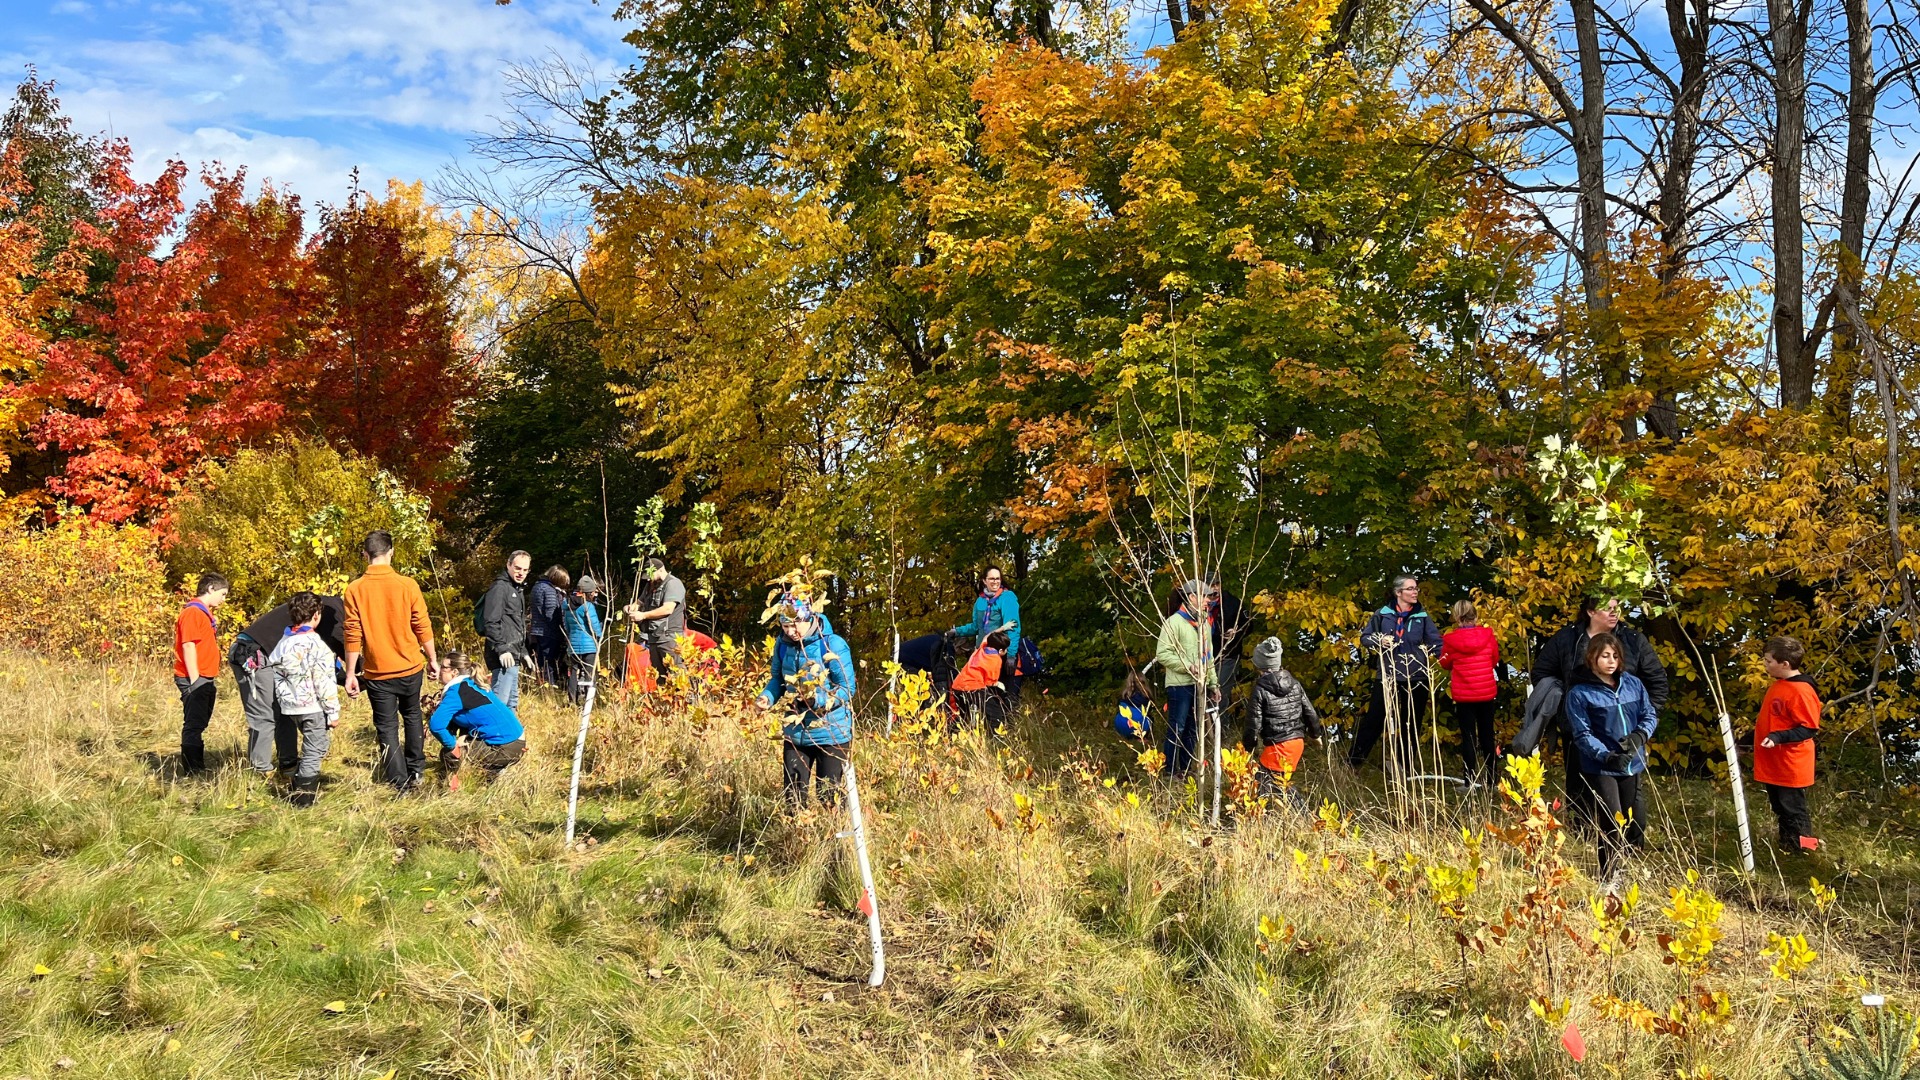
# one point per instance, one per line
(1787, 27)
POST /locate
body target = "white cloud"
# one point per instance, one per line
(301, 91)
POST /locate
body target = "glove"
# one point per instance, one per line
(1620, 762)
(1636, 742)
(507, 661)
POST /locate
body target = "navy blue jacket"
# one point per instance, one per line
(1600, 717)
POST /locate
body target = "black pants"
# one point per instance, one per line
(1476, 736)
(394, 701)
(799, 765)
(1790, 809)
(196, 712)
(1616, 798)
(1412, 700)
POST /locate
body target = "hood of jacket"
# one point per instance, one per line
(1280, 681)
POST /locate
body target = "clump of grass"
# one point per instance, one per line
(1050, 912)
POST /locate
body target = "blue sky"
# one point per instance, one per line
(299, 91)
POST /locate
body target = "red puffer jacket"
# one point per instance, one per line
(1471, 652)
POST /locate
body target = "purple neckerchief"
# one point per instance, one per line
(207, 611)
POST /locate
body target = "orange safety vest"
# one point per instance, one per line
(1789, 703)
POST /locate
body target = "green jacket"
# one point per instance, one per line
(1179, 653)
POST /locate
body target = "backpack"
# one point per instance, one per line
(1029, 661)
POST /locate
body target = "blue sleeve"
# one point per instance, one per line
(443, 716)
(593, 621)
(1010, 610)
(840, 674)
(1591, 748)
(1649, 721)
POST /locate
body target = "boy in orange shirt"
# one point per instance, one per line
(196, 664)
(1783, 741)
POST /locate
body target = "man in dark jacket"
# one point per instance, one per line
(1229, 636)
(1563, 657)
(503, 613)
(1401, 639)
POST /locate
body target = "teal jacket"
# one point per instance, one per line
(991, 615)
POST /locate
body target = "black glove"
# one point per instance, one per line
(1636, 742)
(1619, 762)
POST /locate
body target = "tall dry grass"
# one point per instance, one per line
(1050, 912)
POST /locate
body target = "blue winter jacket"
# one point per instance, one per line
(581, 620)
(1601, 717)
(470, 709)
(991, 615)
(543, 622)
(827, 719)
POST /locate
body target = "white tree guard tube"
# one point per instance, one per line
(579, 752)
(868, 902)
(1739, 793)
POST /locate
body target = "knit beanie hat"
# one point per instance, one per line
(587, 586)
(1266, 655)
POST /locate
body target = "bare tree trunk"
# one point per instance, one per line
(1690, 22)
(1176, 18)
(1856, 187)
(1589, 153)
(1788, 27)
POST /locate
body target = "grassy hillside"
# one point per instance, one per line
(1050, 911)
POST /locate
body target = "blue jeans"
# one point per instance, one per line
(506, 685)
(1180, 742)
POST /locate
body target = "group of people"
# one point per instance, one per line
(554, 628)
(1598, 684)
(376, 638)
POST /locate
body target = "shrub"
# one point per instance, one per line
(276, 522)
(84, 589)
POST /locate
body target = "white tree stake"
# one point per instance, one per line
(579, 751)
(1739, 792)
(870, 903)
(892, 682)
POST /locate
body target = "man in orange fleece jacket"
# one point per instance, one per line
(387, 630)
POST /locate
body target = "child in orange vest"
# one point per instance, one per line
(978, 690)
(1783, 741)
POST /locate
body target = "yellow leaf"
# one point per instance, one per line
(388, 1075)
(335, 1006)
(234, 934)
(41, 971)
(526, 1037)
(172, 1045)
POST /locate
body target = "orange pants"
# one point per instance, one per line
(1283, 758)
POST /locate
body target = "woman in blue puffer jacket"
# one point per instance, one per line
(813, 679)
(1611, 718)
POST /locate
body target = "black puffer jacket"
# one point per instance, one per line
(1564, 658)
(1280, 711)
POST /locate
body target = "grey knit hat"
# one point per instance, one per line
(1266, 655)
(587, 586)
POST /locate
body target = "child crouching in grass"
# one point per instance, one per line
(1280, 720)
(306, 696)
(473, 725)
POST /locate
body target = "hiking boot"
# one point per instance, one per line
(305, 789)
